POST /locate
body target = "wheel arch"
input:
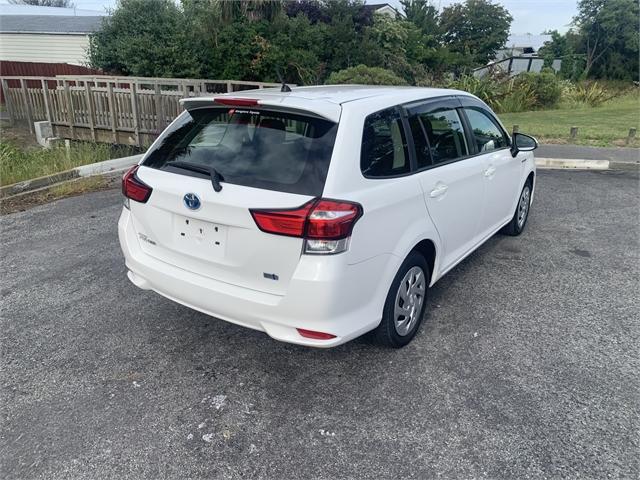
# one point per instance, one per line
(427, 248)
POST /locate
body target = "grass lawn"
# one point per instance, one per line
(605, 126)
(20, 160)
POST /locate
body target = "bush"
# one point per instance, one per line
(592, 94)
(545, 85)
(515, 98)
(486, 88)
(364, 75)
(527, 91)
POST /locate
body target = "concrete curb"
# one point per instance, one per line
(572, 164)
(100, 168)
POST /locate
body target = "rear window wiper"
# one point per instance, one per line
(216, 176)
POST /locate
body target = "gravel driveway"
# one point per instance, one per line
(526, 366)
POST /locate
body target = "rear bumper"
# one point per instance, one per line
(325, 294)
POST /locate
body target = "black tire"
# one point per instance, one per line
(387, 333)
(515, 227)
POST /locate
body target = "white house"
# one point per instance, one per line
(46, 38)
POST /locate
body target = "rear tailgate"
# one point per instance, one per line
(220, 240)
(268, 159)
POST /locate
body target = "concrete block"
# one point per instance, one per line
(43, 131)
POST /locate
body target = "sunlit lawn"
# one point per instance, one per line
(606, 125)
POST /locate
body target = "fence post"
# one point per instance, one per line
(573, 133)
(112, 111)
(229, 87)
(7, 101)
(69, 103)
(27, 104)
(45, 96)
(134, 112)
(90, 110)
(159, 108)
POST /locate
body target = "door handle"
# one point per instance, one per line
(439, 190)
(490, 171)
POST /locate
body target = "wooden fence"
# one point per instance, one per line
(122, 110)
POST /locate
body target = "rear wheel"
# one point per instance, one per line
(405, 303)
(520, 216)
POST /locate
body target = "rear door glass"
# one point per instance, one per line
(446, 135)
(255, 148)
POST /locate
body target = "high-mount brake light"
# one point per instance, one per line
(325, 224)
(133, 188)
(236, 102)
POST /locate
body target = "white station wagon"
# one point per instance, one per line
(320, 213)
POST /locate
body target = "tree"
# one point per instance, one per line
(363, 75)
(564, 47)
(609, 37)
(45, 3)
(475, 30)
(141, 38)
(423, 15)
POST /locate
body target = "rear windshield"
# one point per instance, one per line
(255, 148)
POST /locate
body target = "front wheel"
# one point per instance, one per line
(405, 303)
(520, 216)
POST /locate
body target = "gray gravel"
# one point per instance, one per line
(526, 366)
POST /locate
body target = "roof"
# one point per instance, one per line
(327, 100)
(19, 9)
(527, 40)
(381, 8)
(57, 24)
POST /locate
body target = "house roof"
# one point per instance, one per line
(375, 7)
(57, 24)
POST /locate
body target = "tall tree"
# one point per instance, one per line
(142, 38)
(475, 29)
(610, 40)
(422, 14)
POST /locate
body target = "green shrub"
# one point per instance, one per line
(515, 98)
(364, 75)
(545, 85)
(487, 88)
(592, 94)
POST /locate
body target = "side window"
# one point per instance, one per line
(488, 136)
(423, 155)
(384, 146)
(445, 133)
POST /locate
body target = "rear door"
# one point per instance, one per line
(501, 173)
(450, 178)
(268, 159)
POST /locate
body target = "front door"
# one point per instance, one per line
(501, 172)
(452, 184)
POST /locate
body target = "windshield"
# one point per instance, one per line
(255, 148)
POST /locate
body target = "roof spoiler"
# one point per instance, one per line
(301, 106)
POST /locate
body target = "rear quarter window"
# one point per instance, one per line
(384, 151)
(254, 148)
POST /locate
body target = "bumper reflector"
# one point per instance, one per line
(315, 335)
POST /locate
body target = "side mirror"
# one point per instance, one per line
(522, 143)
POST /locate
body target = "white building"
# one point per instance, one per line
(46, 38)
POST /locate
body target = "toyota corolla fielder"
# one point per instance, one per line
(319, 214)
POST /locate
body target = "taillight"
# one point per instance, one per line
(325, 224)
(133, 188)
